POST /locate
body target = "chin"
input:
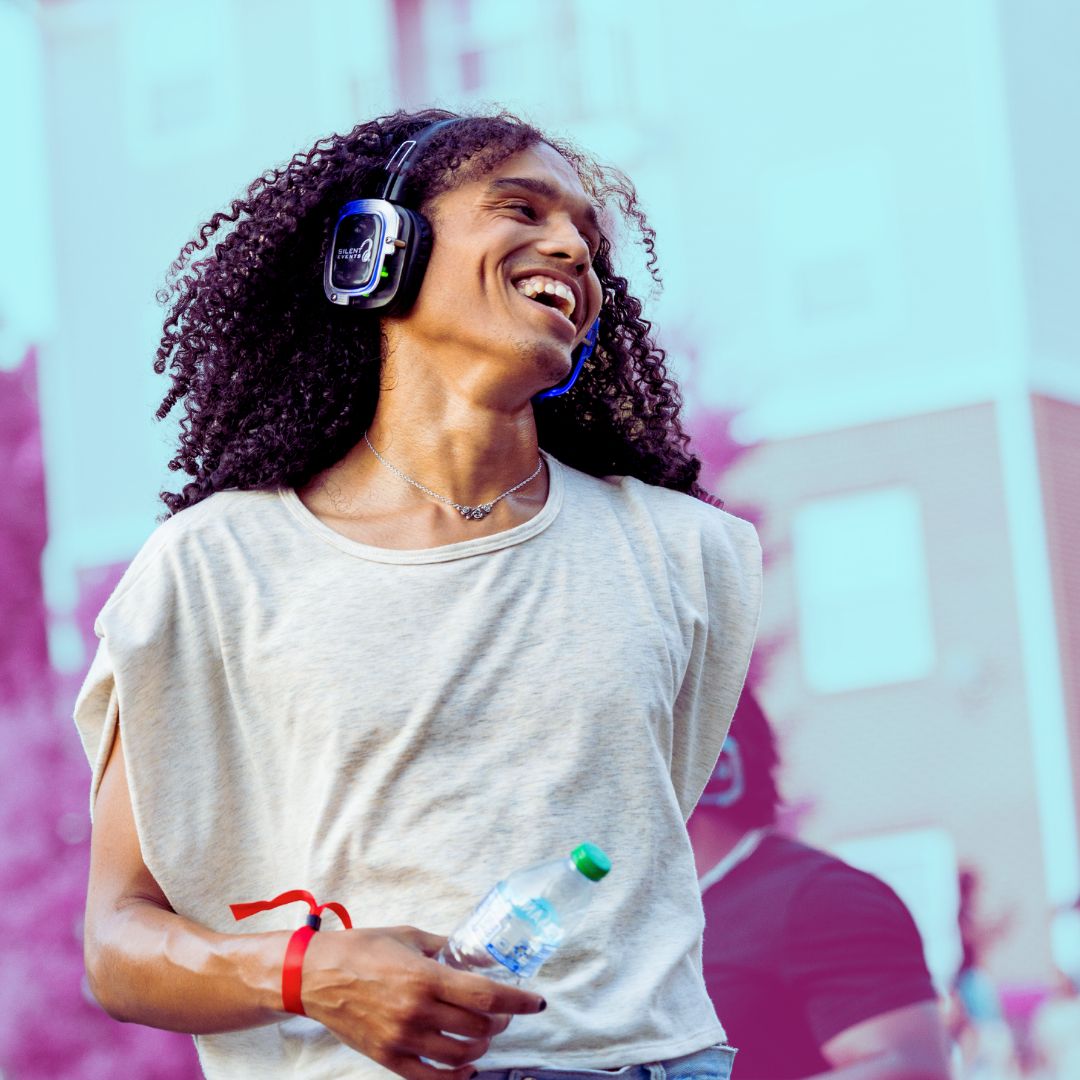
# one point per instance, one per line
(552, 363)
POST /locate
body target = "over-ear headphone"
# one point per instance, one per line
(727, 784)
(379, 250)
(583, 352)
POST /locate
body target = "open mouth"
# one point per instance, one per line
(548, 292)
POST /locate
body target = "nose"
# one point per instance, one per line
(563, 241)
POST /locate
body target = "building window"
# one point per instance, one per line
(863, 592)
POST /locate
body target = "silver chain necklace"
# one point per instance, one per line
(474, 513)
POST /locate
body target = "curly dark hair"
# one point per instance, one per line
(278, 384)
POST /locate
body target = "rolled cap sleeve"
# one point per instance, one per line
(732, 589)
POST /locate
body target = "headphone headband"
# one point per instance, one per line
(400, 161)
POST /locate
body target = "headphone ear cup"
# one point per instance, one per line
(727, 785)
(580, 355)
(414, 259)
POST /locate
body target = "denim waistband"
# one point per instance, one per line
(712, 1063)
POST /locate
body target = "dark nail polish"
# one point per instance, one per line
(543, 1005)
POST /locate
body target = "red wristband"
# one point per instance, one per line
(294, 968)
(294, 952)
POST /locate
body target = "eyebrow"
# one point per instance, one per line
(548, 191)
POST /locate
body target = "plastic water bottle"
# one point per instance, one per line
(526, 917)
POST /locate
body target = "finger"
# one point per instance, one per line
(447, 1050)
(480, 994)
(473, 1025)
(412, 1068)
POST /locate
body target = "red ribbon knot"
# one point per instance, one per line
(298, 943)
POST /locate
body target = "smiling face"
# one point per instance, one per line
(510, 288)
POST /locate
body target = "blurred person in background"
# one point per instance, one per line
(977, 1021)
(1055, 1027)
(817, 968)
(414, 623)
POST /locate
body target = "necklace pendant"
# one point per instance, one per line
(472, 513)
(475, 513)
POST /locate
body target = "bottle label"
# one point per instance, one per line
(520, 937)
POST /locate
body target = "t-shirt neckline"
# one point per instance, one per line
(738, 854)
(463, 549)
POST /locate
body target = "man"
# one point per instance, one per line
(817, 968)
(412, 625)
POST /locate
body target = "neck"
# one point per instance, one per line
(445, 423)
(712, 836)
(449, 427)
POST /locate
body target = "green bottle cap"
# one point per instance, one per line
(591, 861)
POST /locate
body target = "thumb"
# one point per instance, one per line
(428, 944)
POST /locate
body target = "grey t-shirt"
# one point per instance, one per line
(397, 730)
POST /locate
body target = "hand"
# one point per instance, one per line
(380, 992)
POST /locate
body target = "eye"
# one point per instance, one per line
(523, 208)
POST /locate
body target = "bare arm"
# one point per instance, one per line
(903, 1044)
(376, 989)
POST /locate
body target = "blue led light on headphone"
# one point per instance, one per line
(585, 350)
(728, 771)
(360, 240)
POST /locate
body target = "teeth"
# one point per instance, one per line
(537, 284)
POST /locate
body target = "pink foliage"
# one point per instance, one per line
(24, 661)
(49, 1025)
